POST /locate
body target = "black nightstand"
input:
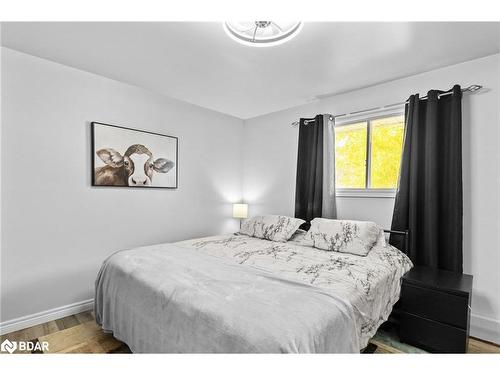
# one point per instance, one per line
(435, 310)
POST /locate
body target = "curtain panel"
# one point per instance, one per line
(429, 198)
(315, 181)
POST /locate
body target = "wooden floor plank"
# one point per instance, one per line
(104, 343)
(83, 348)
(67, 322)
(108, 343)
(84, 317)
(479, 347)
(60, 341)
(32, 333)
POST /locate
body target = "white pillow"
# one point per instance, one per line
(344, 236)
(271, 227)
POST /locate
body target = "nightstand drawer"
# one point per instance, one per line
(432, 304)
(431, 335)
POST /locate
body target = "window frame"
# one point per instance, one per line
(368, 192)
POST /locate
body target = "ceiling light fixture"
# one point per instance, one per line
(262, 33)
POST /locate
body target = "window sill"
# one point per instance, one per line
(365, 193)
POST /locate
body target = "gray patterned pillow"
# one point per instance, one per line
(271, 227)
(344, 236)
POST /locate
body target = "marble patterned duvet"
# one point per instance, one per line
(234, 293)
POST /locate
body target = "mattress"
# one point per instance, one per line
(234, 293)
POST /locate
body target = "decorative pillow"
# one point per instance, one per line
(271, 227)
(344, 236)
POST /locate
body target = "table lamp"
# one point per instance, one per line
(240, 211)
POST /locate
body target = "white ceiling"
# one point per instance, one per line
(198, 63)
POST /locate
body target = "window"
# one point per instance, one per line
(368, 154)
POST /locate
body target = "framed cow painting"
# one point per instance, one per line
(124, 157)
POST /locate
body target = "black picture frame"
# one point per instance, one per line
(93, 124)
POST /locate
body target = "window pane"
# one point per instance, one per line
(386, 147)
(350, 156)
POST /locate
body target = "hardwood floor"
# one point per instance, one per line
(74, 334)
(80, 334)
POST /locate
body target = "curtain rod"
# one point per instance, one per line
(472, 88)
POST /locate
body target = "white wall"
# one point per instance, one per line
(270, 154)
(56, 228)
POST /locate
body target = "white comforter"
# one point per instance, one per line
(235, 293)
(371, 284)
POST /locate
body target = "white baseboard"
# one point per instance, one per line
(484, 328)
(45, 316)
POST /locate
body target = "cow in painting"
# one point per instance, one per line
(135, 168)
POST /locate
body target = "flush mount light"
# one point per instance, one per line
(262, 33)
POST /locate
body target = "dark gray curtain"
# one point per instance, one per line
(429, 197)
(309, 183)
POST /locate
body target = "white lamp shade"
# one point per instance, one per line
(240, 210)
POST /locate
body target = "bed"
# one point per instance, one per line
(239, 294)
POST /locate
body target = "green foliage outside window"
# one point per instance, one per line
(386, 137)
(350, 156)
(386, 147)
